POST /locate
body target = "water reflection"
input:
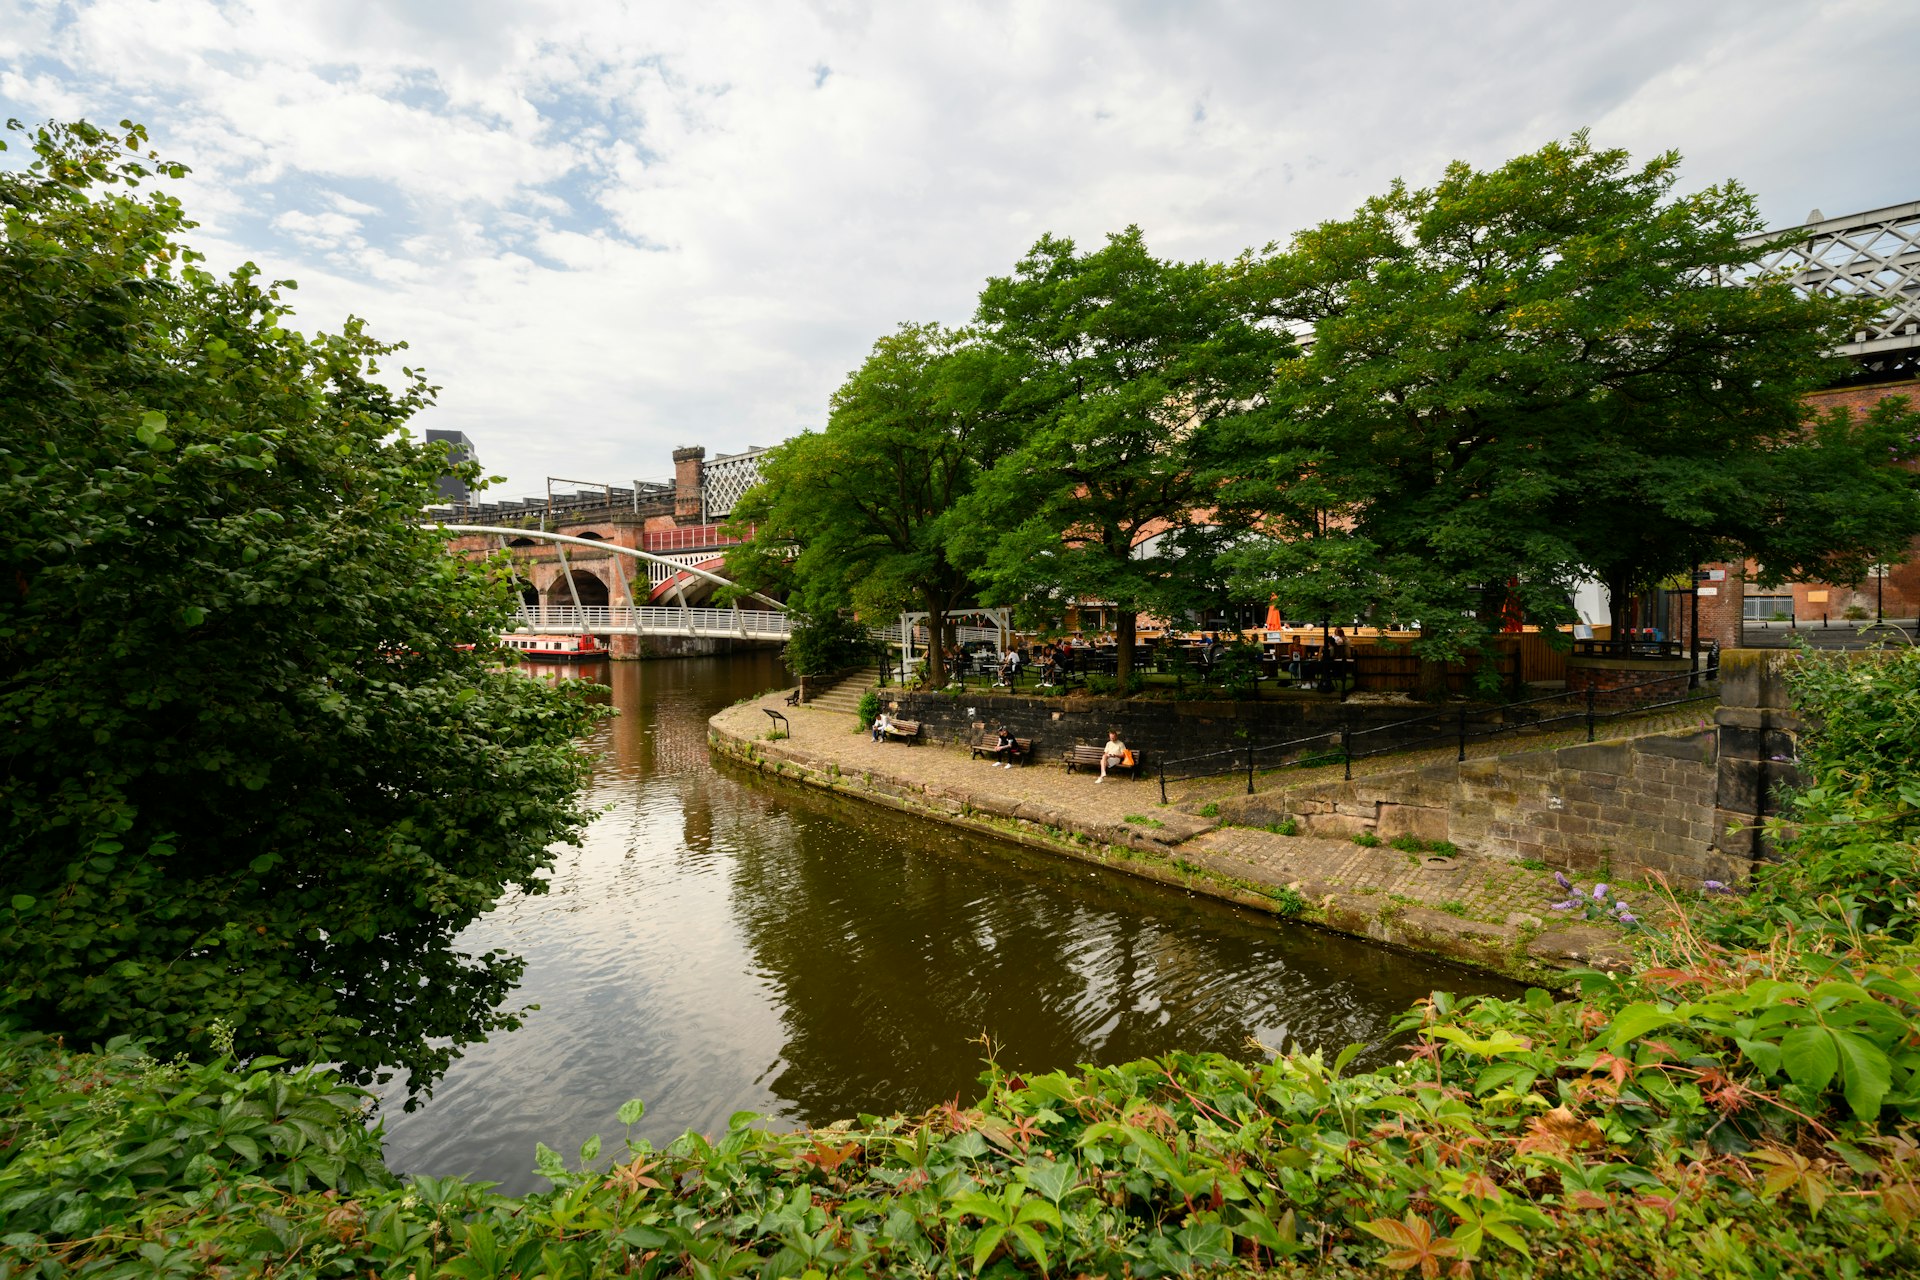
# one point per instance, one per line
(725, 941)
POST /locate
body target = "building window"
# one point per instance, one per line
(1766, 608)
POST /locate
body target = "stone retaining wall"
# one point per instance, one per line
(1629, 807)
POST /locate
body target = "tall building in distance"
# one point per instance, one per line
(452, 489)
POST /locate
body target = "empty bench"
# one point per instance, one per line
(1085, 757)
(988, 745)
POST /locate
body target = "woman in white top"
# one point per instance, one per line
(1114, 753)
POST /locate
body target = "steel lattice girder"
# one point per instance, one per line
(1873, 254)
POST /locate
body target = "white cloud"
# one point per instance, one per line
(609, 230)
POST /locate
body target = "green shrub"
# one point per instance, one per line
(869, 709)
(1367, 840)
(1210, 810)
(1290, 903)
(262, 755)
(1284, 827)
(826, 642)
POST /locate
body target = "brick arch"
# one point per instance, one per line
(594, 588)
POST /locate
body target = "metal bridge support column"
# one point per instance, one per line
(579, 611)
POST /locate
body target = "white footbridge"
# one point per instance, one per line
(632, 617)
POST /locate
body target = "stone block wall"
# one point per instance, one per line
(1639, 805)
(1689, 805)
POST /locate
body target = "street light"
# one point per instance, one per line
(1879, 572)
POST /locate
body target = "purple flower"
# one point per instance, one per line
(1599, 892)
(1627, 919)
(1562, 881)
(1714, 886)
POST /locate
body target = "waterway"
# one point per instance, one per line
(725, 942)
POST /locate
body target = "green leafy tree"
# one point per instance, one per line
(250, 772)
(1117, 360)
(1523, 377)
(862, 514)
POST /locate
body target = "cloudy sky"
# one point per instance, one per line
(610, 229)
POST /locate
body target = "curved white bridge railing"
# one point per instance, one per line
(649, 620)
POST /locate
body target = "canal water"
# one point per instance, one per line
(725, 942)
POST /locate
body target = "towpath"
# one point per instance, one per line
(1484, 911)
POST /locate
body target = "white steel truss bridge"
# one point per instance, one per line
(1875, 254)
(632, 616)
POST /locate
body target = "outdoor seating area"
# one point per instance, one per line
(1278, 662)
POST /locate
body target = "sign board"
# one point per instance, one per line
(1707, 591)
(1816, 597)
(1716, 575)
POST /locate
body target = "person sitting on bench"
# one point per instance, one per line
(1114, 754)
(1004, 747)
(881, 723)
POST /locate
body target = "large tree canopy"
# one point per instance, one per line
(1117, 359)
(250, 772)
(1522, 377)
(861, 515)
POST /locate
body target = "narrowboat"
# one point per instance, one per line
(549, 648)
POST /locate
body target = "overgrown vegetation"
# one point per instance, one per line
(827, 641)
(260, 757)
(1746, 1104)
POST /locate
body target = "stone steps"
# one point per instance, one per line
(845, 696)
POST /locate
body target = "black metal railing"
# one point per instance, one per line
(1629, 648)
(1460, 726)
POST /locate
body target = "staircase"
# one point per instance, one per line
(845, 696)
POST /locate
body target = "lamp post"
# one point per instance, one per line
(1879, 572)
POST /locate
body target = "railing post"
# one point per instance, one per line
(1249, 766)
(1346, 747)
(1163, 779)
(1590, 701)
(1463, 736)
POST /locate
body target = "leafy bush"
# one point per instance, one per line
(1110, 686)
(869, 709)
(260, 756)
(1851, 829)
(826, 642)
(1367, 840)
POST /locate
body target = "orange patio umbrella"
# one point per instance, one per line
(1274, 621)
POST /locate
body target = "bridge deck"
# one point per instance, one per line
(748, 624)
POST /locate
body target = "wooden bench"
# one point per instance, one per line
(793, 699)
(1085, 757)
(988, 745)
(904, 731)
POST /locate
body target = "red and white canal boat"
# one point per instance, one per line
(554, 648)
